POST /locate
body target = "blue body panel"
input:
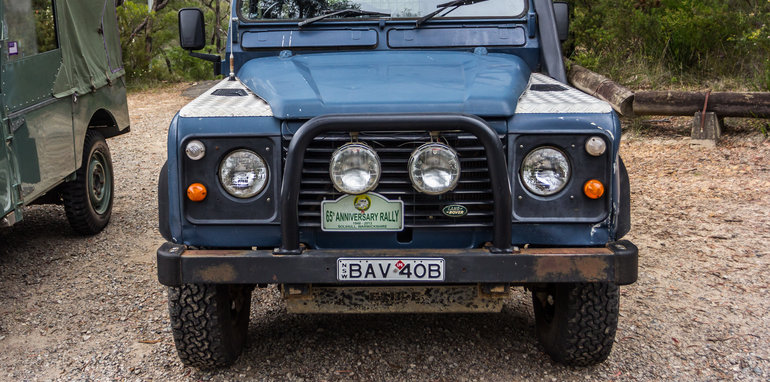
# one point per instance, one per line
(307, 85)
(345, 67)
(292, 39)
(447, 37)
(267, 235)
(182, 129)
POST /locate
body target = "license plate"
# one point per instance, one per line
(362, 213)
(388, 269)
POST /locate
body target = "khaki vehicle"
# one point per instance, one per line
(63, 94)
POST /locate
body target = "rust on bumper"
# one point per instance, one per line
(617, 262)
(394, 299)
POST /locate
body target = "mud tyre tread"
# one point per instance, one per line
(578, 327)
(207, 332)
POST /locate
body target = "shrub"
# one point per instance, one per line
(692, 40)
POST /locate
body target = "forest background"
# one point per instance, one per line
(643, 44)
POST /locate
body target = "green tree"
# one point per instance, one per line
(150, 39)
(693, 39)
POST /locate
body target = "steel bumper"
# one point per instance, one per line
(617, 262)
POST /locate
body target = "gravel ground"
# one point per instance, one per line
(76, 308)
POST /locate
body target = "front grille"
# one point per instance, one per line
(474, 190)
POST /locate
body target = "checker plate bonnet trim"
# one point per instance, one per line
(210, 105)
(569, 101)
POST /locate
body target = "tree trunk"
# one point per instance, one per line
(148, 37)
(217, 26)
(156, 6)
(602, 87)
(749, 105)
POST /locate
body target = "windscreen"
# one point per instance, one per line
(265, 10)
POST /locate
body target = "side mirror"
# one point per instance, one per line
(192, 35)
(561, 11)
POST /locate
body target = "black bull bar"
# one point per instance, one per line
(499, 262)
(498, 171)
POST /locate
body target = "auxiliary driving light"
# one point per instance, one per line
(545, 171)
(355, 168)
(434, 168)
(243, 173)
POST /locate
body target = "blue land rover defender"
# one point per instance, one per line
(393, 156)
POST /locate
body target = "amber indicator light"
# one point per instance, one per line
(593, 189)
(196, 192)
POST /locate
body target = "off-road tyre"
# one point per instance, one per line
(88, 198)
(209, 323)
(576, 323)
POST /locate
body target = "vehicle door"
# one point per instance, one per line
(40, 124)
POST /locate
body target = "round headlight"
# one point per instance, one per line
(355, 169)
(243, 173)
(545, 171)
(434, 168)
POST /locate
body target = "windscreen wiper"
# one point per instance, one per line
(349, 11)
(442, 7)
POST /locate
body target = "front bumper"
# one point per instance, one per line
(617, 262)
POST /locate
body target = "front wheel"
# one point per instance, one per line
(88, 198)
(209, 322)
(576, 323)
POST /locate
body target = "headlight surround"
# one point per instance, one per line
(434, 168)
(243, 173)
(545, 171)
(355, 169)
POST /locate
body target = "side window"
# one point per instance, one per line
(31, 28)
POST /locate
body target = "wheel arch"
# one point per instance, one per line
(104, 121)
(101, 120)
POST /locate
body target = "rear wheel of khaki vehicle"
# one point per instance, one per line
(576, 323)
(209, 322)
(88, 198)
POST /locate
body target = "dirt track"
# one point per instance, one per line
(76, 308)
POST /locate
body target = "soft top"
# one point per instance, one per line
(90, 44)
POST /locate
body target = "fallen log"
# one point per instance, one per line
(602, 87)
(724, 104)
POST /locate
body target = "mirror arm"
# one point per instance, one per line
(207, 57)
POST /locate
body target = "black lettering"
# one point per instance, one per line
(434, 271)
(417, 269)
(355, 271)
(384, 272)
(406, 271)
(370, 271)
